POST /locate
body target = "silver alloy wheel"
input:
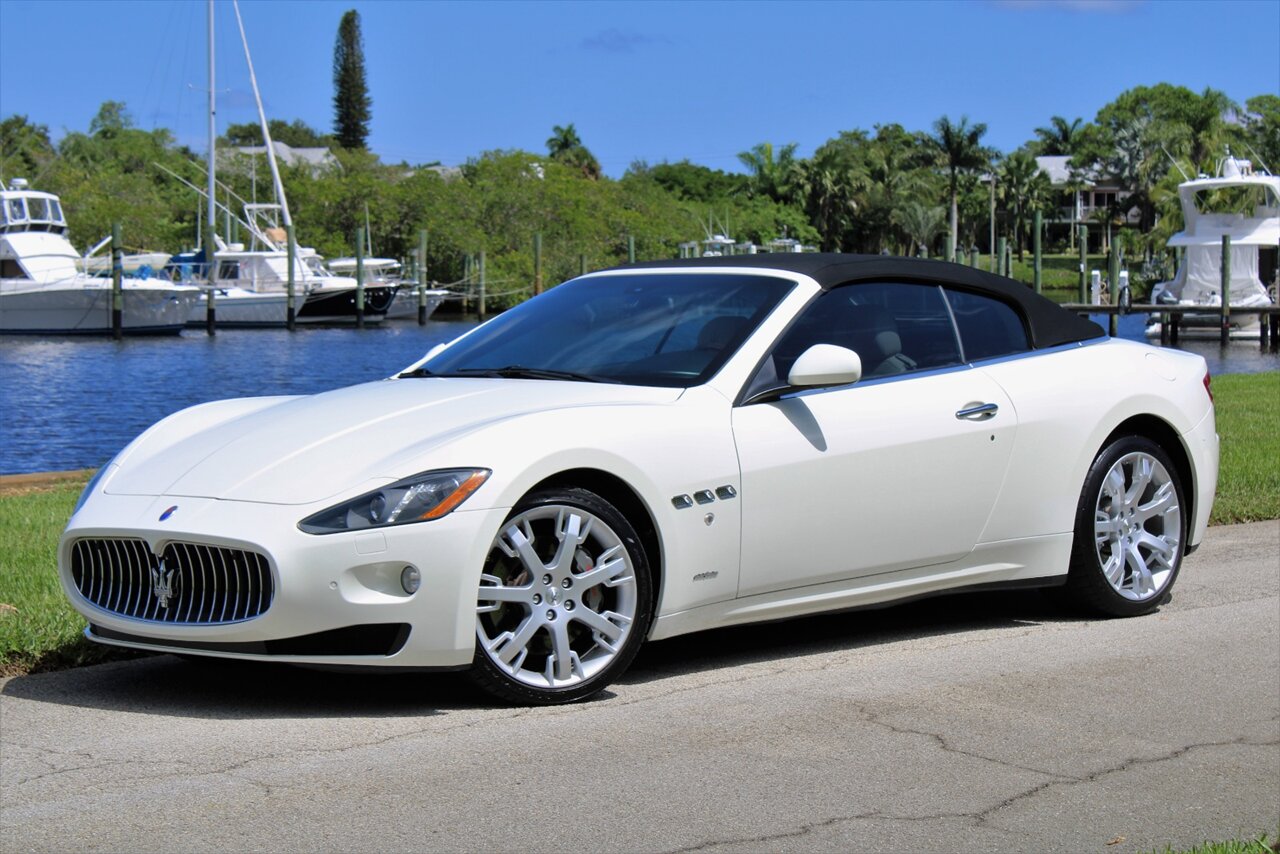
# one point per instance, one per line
(557, 597)
(1137, 526)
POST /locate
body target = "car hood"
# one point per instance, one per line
(300, 450)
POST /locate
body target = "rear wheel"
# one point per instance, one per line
(565, 600)
(1130, 531)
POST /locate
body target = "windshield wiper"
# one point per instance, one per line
(416, 372)
(522, 372)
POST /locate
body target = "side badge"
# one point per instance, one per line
(166, 514)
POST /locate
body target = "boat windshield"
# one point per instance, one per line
(1255, 200)
(662, 329)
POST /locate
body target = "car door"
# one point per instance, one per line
(898, 470)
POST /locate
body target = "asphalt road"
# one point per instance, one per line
(976, 723)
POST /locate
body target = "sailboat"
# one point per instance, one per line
(250, 285)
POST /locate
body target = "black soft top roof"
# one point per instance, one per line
(1049, 324)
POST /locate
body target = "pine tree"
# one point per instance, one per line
(351, 101)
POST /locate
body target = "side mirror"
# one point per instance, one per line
(825, 365)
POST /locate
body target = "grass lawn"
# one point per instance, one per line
(1260, 845)
(1248, 408)
(40, 631)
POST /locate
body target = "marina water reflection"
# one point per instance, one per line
(73, 403)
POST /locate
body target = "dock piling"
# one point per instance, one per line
(1225, 334)
(1113, 287)
(211, 279)
(1038, 225)
(117, 283)
(422, 276)
(1084, 262)
(482, 307)
(291, 312)
(360, 278)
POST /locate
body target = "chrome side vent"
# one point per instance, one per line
(189, 583)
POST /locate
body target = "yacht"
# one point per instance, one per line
(1244, 204)
(42, 290)
(385, 272)
(251, 285)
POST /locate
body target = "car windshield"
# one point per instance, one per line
(662, 329)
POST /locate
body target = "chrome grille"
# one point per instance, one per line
(189, 583)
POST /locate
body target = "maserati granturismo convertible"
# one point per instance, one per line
(652, 450)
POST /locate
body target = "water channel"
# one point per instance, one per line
(69, 403)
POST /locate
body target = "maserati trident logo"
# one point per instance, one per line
(162, 584)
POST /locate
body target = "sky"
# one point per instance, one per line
(653, 81)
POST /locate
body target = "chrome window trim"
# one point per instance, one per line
(949, 369)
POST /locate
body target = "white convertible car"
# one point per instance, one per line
(653, 450)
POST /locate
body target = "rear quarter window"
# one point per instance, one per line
(988, 327)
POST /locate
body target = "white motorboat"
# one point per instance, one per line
(385, 272)
(1243, 204)
(43, 291)
(138, 265)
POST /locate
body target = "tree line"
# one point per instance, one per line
(887, 189)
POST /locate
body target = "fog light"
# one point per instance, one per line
(410, 579)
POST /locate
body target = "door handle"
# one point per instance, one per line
(981, 412)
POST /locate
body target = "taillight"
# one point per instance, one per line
(1207, 389)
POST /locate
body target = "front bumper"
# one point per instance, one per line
(323, 584)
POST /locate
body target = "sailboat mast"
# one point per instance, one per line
(286, 220)
(212, 210)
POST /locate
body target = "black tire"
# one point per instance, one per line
(600, 659)
(1088, 585)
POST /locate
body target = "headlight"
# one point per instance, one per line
(420, 498)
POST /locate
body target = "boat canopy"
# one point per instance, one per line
(1199, 277)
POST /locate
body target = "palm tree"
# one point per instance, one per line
(1060, 137)
(960, 150)
(1023, 185)
(774, 176)
(1136, 162)
(566, 147)
(1075, 185)
(1207, 126)
(831, 184)
(922, 223)
(563, 139)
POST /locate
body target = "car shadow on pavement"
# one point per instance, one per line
(236, 690)
(935, 616)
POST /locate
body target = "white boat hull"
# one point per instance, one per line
(236, 307)
(405, 305)
(84, 307)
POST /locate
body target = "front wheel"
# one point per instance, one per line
(1130, 530)
(565, 600)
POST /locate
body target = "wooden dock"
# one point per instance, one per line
(1171, 319)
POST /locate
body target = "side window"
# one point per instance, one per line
(988, 327)
(895, 328)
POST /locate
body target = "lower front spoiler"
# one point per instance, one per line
(359, 645)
